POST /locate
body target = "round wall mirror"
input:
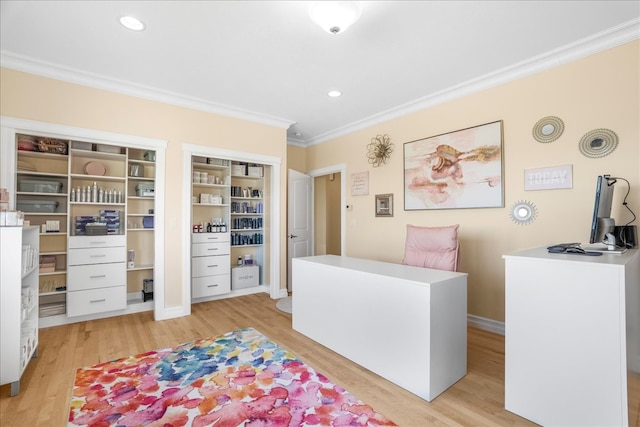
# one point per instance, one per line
(548, 129)
(598, 143)
(523, 212)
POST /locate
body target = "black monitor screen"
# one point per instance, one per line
(602, 210)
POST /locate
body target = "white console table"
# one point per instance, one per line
(406, 324)
(572, 342)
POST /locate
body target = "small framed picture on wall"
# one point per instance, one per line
(384, 204)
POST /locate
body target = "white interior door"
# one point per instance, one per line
(299, 227)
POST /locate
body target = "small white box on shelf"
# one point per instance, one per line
(80, 145)
(238, 170)
(245, 276)
(112, 149)
(255, 171)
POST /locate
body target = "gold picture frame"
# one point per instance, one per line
(455, 170)
(384, 205)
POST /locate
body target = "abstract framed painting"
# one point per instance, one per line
(455, 170)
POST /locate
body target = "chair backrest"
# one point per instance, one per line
(432, 247)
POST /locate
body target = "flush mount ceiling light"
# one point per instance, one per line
(334, 93)
(132, 23)
(335, 16)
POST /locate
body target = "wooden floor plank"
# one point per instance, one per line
(475, 400)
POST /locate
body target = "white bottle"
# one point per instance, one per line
(94, 193)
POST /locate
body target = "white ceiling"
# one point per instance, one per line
(266, 61)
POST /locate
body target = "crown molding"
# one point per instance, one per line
(82, 78)
(608, 39)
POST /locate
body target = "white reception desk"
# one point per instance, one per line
(406, 324)
(572, 338)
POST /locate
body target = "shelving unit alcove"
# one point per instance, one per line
(210, 275)
(117, 290)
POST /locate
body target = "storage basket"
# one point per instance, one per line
(145, 190)
(39, 186)
(51, 145)
(245, 276)
(238, 170)
(255, 171)
(37, 206)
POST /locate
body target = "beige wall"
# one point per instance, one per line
(326, 214)
(31, 97)
(296, 158)
(601, 91)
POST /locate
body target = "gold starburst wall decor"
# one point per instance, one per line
(379, 150)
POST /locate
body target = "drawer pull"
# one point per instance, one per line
(212, 249)
(215, 265)
(211, 286)
(98, 277)
(98, 256)
(98, 300)
(98, 243)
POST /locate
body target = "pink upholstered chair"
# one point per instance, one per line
(432, 247)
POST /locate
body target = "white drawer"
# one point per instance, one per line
(82, 277)
(210, 265)
(94, 301)
(208, 249)
(97, 241)
(210, 237)
(97, 255)
(209, 286)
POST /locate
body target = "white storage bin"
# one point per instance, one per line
(37, 206)
(238, 170)
(255, 171)
(113, 149)
(245, 277)
(39, 186)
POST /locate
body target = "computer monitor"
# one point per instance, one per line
(601, 222)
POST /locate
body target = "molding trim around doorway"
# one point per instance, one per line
(342, 169)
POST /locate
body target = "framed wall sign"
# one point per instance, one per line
(461, 169)
(360, 184)
(549, 178)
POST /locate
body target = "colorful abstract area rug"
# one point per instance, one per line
(237, 379)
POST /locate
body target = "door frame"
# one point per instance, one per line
(340, 168)
(189, 150)
(10, 126)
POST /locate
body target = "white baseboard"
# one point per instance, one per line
(485, 324)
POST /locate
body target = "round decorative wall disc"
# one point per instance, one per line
(523, 212)
(598, 143)
(548, 129)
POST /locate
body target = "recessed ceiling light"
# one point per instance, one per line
(132, 23)
(335, 93)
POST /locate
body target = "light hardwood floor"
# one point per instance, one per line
(476, 400)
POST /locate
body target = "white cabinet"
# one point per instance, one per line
(382, 308)
(19, 248)
(97, 279)
(42, 186)
(141, 214)
(51, 179)
(572, 338)
(210, 264)
(248, 223)
(228, 224)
